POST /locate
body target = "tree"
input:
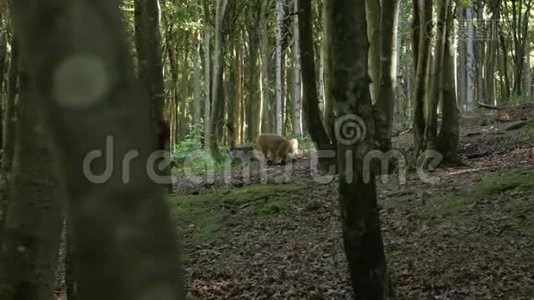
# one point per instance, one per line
(388, 72)
(447, 140)
(297, 84)
(217, 94)
(357, 197)
(312, 113)
(85, 87)
(280, 14)
(148, 45)
(422, 9)
(30, 247)
(373, 13)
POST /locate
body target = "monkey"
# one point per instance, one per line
(276, 148)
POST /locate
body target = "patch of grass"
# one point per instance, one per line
(196, 214)
(458, 204)
(202, 215)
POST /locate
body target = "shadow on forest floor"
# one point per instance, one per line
(469, 236)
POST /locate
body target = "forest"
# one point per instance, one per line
(266, 149)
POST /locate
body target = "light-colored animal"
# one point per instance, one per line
(277, 148)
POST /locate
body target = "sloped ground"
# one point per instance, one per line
(470, 236)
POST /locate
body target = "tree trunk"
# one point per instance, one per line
(470, 59)
(373, 12)
(312, 113)
(10, 121)
(92, 105)
(357, 196)
(388, 73)
(328, 97)
(255, 96)
(217, 91)
(424, 11)
(297, 83)
(280, 14)
(461, 62)
(32, 232)
(265, 74)
(150, 64)
(491, 55)
(447, 140)
(436, 74)
(207, 88)
(238, 95)
(197, 99)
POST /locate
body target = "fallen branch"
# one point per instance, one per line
(487, 106)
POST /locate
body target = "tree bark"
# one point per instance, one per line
(447, 140)
(424, 11)
(387, 85)
(32, 232)
(357, 197)
(373, 12)
(280, 14)
(255, 95)
(311, 111)
(150, 64)
(470, 59)
(217, 91)
(297, 83)
(124, 243)
(10, 121)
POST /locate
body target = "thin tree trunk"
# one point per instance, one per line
(470, 59)
(373, 12)
(10, 121)
(384, 104)
(197, 99)
(424, 11)
(114, 223)
(265, 62)
(461, 62)
(207, 88)
(312, 113)
(280, 14)
(217, 91)
(255, 95)
(297, 84)
(357, 196)
(238, 95)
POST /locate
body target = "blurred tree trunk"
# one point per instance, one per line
(197, 98)
(238, 93)
(9, 124)
(32, 232)
(118, 216)
(387, 84)
(357, 194)
(329, 100)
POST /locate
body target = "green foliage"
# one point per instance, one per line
(202, 217)
(460, 203)
(305, 142)
(192, 142)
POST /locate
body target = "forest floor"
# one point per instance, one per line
(468, 236)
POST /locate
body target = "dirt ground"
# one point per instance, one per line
(468, 235)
